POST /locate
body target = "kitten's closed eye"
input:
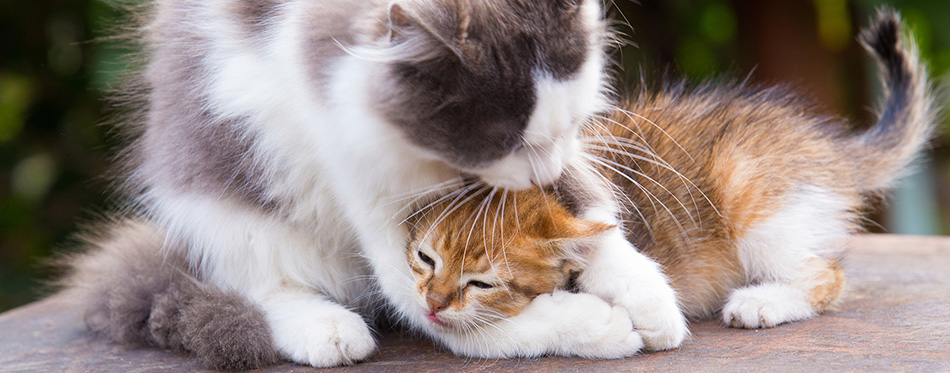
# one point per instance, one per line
(480, 285)
(426, 259)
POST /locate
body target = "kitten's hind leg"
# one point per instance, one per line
(310, 329)
(772, 303)
(790, 260)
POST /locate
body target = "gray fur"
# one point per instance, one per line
(907, 116)
(134, 293)
(471, 100)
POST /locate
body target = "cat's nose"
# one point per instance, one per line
(436, 302)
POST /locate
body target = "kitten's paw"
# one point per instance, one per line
(765, 306)
(330, 340)
(593, 328)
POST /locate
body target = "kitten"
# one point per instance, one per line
(282, 142)
(744, 195)
(482, 264)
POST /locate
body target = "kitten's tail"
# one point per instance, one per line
(134, 293)
(907, 115)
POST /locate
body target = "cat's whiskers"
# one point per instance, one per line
(425, 209)
(653, 200)
(505, 242)
(664, 165)
(414, 196)
(531, 154)
(633, 116)
(657, 183)
(458, 202)
(642, 144)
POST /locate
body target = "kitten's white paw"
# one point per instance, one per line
(329, 340)
(593, 328)
(765, 306)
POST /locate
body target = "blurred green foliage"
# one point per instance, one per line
(54, 68)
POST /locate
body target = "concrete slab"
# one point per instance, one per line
(895, 316)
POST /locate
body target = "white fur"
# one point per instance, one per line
(348, 172)
(766, 305)
(618, 273)
(561, 323)
(551, 137)
(775, 254)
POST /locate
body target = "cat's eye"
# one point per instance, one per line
(480, 285)
(426, 259)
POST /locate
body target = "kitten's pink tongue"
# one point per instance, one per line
(435, 319)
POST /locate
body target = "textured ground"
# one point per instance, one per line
(894, 317)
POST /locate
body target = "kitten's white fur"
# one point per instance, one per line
(812, 223)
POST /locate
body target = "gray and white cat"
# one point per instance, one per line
(284, 141)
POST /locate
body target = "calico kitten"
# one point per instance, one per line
(469, 267)
(490, 267)
(282, 143)
(744, 195)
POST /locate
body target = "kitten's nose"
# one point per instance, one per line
(436, 302)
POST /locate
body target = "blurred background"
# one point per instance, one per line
(55, 67)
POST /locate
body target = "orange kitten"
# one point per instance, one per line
(744, 195)
(472, 270)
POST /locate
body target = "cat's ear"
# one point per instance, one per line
(399, 21)
(569, 5)
(412, 39)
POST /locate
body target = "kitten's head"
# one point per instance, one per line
(488, 258)
(497, 89)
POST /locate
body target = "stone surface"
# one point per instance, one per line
(895, 316)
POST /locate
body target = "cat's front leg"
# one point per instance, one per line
(310, 329)
(561, 323)
(621, 275)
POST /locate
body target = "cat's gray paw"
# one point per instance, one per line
(765, 306)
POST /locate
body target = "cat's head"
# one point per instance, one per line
(497, 89)
(488, 258)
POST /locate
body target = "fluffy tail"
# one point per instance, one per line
(133, 293)
(907, 115)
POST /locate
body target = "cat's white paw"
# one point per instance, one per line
(626, 278)
(592, 328)
(661, 324)
(335, 340)
(321, 334)
(765, 306)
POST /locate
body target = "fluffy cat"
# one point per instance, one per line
(282, 142)
(743, 195)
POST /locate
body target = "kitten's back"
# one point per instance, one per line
(744, 156)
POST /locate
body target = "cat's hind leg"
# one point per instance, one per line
(772, 303)
(791, 261)
(311, 329)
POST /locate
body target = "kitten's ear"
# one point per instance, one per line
(570, 241)
(578, 229)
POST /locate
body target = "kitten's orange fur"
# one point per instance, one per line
(491, 268)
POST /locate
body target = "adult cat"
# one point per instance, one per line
(282, 139)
